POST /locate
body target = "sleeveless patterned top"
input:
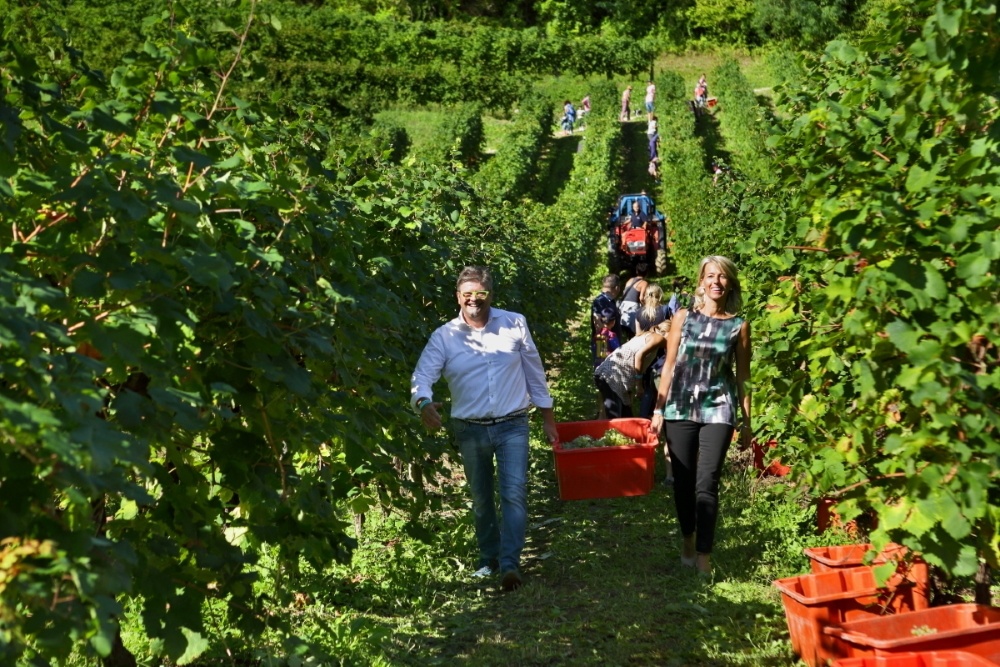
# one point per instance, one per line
(703, 388)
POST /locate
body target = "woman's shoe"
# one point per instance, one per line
(703, 563)
(688, 553)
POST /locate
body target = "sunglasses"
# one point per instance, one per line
(479, 294)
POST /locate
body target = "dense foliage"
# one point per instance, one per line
(190, 300)
(339, 62)
(879, 370)
(508, 174)
(686, 196)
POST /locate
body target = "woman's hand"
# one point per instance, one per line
(745, 437)
(656, 422)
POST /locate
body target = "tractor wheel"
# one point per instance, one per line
(661, 262)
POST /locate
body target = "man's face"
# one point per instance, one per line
(474, 300)
(635, 207)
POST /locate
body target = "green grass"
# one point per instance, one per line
(422, 123)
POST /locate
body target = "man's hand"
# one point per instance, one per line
(431, 417)
(549, 425)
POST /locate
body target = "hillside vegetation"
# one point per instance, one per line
(225, 254)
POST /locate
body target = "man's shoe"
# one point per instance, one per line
(483, 572)
(511, 580)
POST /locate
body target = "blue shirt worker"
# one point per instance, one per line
(494, 372)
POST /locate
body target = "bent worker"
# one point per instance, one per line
(495, 373)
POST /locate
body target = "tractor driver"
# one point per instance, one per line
(637, 219)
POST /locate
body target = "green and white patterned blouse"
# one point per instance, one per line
(703, 388)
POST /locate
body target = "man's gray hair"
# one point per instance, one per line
(475, 274)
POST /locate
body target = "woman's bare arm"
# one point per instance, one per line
(667, 374)
(743, 382)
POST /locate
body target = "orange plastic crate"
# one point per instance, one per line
(929, 659)
(813, 602)
(826, 559)
(971, 628)
(605, 472)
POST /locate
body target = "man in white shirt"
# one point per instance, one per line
(495, 373)
(650, 97)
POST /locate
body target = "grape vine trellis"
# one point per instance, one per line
(205, 337)
(206, 331)
(879, 366)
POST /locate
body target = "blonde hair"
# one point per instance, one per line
(734, 297)
(651, 301)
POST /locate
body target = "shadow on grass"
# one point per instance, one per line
(635, 159)
(555, 166)
(713, 145)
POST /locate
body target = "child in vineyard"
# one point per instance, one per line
(605, 338)
(703, 397)
(569, 117)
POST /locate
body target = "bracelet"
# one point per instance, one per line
(423, 403)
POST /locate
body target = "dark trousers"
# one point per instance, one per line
(614, 406)
(697, 452)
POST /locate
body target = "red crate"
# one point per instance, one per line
(929, 659)
(826, 559)
(960, 627)
(815, 601)
(605, 472)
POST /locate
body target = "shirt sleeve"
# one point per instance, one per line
(534, 373)
(428, 370)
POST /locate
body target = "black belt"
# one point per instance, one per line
(489, 421)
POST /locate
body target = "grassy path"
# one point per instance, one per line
(635, 161)
(555, 166)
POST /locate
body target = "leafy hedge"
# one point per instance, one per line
(207, 332)
(879, 370)
(337, 61)
(565, 234)
(686, 195)
(460, 134)
(744, 123)
(508, 174)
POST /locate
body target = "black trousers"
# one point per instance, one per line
(614, 406)
(697, 452)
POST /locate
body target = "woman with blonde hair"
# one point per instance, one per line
(653, 311)
(704, 396)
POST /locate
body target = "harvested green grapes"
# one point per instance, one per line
(611, 438)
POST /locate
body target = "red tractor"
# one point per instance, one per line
(637, 234)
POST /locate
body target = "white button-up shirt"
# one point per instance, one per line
(491, 372)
